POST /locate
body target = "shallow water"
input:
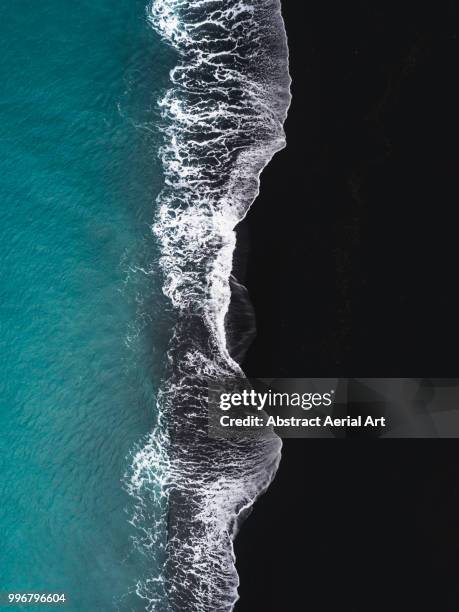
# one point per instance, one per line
(223, 117)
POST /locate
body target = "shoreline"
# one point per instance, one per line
(220, 134)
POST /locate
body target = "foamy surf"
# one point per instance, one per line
(223, 121)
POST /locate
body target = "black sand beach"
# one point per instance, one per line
(352, 256)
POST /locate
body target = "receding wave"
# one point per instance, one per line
(223, 121)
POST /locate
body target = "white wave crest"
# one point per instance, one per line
(223, 121)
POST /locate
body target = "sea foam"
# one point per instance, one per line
(222, 121)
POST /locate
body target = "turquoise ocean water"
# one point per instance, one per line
(83, 322)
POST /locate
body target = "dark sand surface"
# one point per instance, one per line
(351, 264)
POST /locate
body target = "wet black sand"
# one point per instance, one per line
(352, 256)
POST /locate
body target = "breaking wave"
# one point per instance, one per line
(223, 121)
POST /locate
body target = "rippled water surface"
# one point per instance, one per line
(82, 324)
